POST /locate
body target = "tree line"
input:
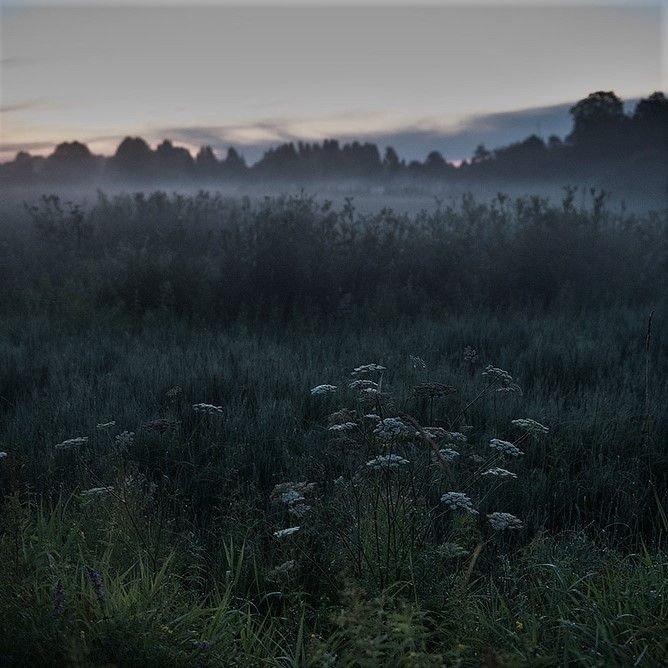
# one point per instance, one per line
(602, 136)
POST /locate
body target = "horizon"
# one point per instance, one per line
(252, 65)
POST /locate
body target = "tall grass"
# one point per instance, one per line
(157, 545)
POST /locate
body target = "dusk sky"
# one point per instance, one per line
(441, 76)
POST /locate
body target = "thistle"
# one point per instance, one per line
(97, 583)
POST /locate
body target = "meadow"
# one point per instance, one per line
(289, 433)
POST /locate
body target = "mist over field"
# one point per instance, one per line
(333, 337)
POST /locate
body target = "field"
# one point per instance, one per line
(181, 486)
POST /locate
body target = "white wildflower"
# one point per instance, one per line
(363, 384)
(506, 447)
(291, 496)
(497, 472)
(3, 455)
(72, 442)
(435, 433)
(531, 426)
(282, 533)
(368, 368)
(371, 391)
(319, 390)
(497, 375)
(125, 439)
(502, 521)
(372, 417)
(208, 409)
(455, 437)
(98, 491)
(344, 426)
(457, 500)
(392, 428)
(387, 462)
(106, 425)
(447, 454)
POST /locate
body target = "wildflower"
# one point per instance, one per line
(371, 392)
(291, 496)
(372, 417)
(512, 388)
(452, 550)
(363, 384)
(368, 368)
(435, 433)
(282, 533)
(97, 583)
(106, 425)
(387, 462)
(98, 491)
(174, 392)
(3, 455)
(392, 428)
(446, 454)
(496, 375)
(58, 598)
(319, 390)
(208, 409)
(160, 425)
(502, 521)
(72, 442)
(201, 645)
(344, 426)
(530, 426)
(457, 500)
(417, 362)
(125, 439)
(506, 447)
(338, 417)
(433, 390)
(455, 437)
(497, 472)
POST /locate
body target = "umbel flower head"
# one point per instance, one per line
(446, 454)
(387, 462)
(207, 409)
(458, 500)
(363, 384)
(106, 425)
(392, 428)
(368, 368)
(72, 442)
(283, 533)
(506, 447)
(496, 472)
(503, 521)
(530, 426)
(319, 390)
(343, 426)
(501, 379)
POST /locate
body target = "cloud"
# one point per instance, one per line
(19, 106)
(456, 138)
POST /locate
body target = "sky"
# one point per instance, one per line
(440, 76)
